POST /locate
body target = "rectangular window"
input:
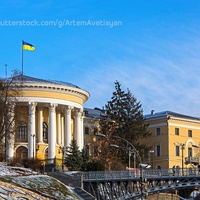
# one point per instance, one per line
(176, 131)
(95, 151)
(146, 152)
(87, 150)
(189, 133)
(189, 152)
(177, 151)
(95, 131)
(87, 130)
(22, 132)
(158, 150)
(157, 131)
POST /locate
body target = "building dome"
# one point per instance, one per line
(46, 91)
(52, 117)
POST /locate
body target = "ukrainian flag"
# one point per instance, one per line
(27, 46)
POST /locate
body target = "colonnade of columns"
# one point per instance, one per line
(60, 129)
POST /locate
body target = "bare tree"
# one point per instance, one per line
(10, 93)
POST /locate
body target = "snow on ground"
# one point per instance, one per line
(21, 183)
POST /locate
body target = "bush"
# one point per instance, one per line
(95, 165)
(17, 162)
(33, 164)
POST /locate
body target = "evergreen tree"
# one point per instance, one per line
(124, 118)
(73, 158)
(85, 159)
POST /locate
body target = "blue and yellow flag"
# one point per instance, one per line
(27, 46)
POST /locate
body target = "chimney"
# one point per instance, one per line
(152, 112)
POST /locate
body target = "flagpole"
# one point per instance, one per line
(6, 69)
(22, 59)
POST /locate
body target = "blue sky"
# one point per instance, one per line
(153, 48)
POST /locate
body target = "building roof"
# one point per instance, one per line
(93, 113)
(168, 114)
(98, 113)
(30, 79)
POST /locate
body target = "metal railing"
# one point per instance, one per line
(136, 174)
(192, 159)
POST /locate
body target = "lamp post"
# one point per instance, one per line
(142, 166)
(136, 153)
(33, 146)
(62, 150)
(130, 152)
(127, 142)
(151, 157)
(182, 145)
(182, 148)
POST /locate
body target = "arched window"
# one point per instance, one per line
(22, 152)
(45, 132)
(22, 131)
(159, 167)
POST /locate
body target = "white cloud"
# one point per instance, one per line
(166, 79)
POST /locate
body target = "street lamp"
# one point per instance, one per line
(130, 152)
(151, 157)
(62, 150)
(182, 148)
(182, 154)
(33, 145)
(133, 149)
(127, 142)
(142, 166)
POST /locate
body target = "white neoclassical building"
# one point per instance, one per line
(53, 116)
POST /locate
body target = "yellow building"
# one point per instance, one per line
(175, 140)
(91, 128)
(53, 116)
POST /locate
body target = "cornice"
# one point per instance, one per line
(170, 117)
(56, 88)
(184, 119)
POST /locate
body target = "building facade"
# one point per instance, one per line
(53, 116)
(91, 131)
(175, 140)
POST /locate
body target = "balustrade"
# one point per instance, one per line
(135, 174)
(194, 160)
(127, 184)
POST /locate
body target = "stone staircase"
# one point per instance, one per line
(73, 180)
(83, 194)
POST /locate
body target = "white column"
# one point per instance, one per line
(68, 129)
(62, 130)
(31, 130)
(59, 128)
(52, 132)
(81, 132)
(40, 125)
(9, 137)
(78, 126)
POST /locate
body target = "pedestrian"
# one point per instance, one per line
(199, 169)
(42, 169)
(173, 170)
